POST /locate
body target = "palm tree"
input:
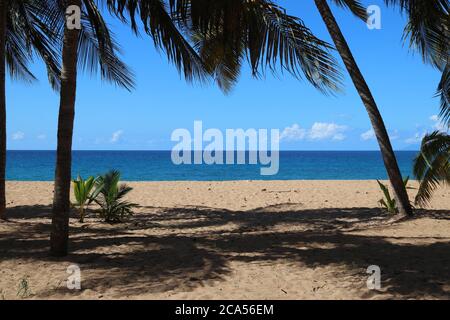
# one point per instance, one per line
(225, 32)
(92, 45)
(428, 32)
(88, 47)
(368, 100)
(25, 28)
(289, 43)
(228, 31)
(110, 195)
(3, 28)
(432, 165)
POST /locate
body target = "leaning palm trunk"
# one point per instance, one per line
(387, 152)
(3, 12)
(61, 201)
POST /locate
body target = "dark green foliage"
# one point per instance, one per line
(431, 166)
(389, 202)
(111, 194)
(228, 33)
(85, 193)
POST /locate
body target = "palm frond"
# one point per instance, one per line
(98, 49)
(32, 28)
(17, 56)
(110, 196)
(354, 6)
(226, 32)
(432, 166)
(444, 93)
(166, 35)
(428, 28)
(222, 62)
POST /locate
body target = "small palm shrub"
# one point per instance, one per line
(85, 193)
(389, 203)
(110, 198)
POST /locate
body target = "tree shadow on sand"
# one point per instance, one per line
(165, 249)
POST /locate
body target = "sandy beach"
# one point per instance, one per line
(232, 240)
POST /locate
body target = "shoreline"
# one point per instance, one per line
(237, 195)
(236, 180)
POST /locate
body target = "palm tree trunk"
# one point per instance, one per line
(61, 199)
(3, 13)
(381, 133)
(82, 214)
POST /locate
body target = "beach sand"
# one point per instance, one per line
(231, 240)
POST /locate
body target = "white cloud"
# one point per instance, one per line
(322, 131)
(416, 139)
(19, 135)
(319, 131)
(116, 136)
(339, 137)
(394, 135)
(368, 135)
(293, 133)
(422, 130)
(434, 118)
(438, 124)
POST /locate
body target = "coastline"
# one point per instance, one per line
(237, 195)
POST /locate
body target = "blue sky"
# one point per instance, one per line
(108, 118)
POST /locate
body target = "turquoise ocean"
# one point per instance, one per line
(158, 166)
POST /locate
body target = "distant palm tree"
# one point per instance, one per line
(25, 29)
(432, 165)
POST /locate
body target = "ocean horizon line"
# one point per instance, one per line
(163, 150)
